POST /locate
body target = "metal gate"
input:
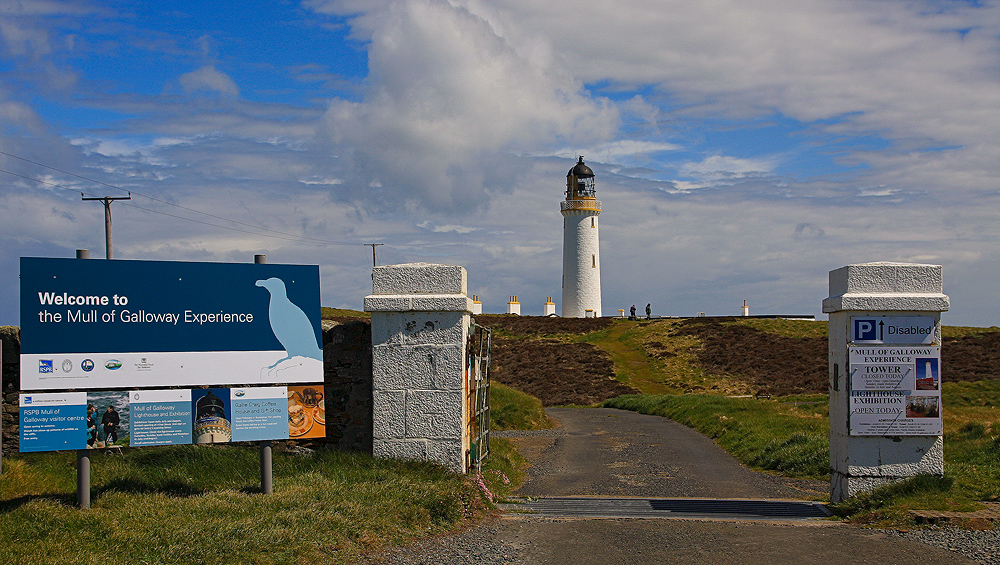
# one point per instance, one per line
(477, 378)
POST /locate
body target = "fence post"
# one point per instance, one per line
(420, 317)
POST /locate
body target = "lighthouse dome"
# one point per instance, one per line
(580, 170)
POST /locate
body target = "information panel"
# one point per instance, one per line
(895, 391)
(53, 421)
(160, 417)
(90, 324)
(99, 419)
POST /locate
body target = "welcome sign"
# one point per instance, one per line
(89, 324)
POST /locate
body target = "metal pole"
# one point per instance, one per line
(83, 455)
(83, 478)
(266, 462)
(266, 468)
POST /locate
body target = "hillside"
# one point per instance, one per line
(583, 361)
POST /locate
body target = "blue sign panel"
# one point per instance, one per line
(259, 413)
(160, 417)
(105, 324)
(53, 421)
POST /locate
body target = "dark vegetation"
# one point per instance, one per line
(773, 364)
(543, 357)
(535, 354)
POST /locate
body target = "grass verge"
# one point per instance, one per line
(196, 504)
(511, 409)
(790, 436)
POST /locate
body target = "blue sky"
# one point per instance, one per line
(742, 149)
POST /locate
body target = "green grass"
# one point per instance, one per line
(673, 370)
(790, 436)
(195, 504)
(201, 504)
(341, 313)
(511, 409)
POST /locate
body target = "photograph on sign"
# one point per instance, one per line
(306, 412)
(107, 418)
(211, 409)
(160, 417)
(259, 413)
(927, 374)
(113, 324)
(922, 407)
(52, 421)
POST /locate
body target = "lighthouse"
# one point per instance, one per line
(581, 286)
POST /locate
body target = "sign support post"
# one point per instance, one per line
(83, 478)
(83, 455)
(885, 375)
(266, 466)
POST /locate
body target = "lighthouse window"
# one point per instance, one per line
(593, 222)
(593, 260)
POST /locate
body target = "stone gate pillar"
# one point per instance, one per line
(885, 375)
(420, 325)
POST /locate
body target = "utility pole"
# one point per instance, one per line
(374, 245)
(107, 200)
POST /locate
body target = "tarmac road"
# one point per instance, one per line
(624, 454)
(602, 451)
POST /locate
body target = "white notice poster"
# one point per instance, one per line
(895, 391)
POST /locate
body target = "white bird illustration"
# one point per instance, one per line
(290, 324)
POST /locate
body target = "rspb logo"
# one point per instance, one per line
(45, 365)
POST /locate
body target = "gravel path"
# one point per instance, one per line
(981, 545)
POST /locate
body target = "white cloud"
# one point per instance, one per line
(208, 78)
(721, 167)
(472, 112)
(431, 226)
(448, 94)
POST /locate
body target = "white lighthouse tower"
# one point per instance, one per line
(581, 288)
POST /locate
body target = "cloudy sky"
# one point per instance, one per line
(743, 148)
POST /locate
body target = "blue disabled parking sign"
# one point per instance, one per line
(878, 330)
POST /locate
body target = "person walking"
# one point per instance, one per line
(631, 313)
(649, 310)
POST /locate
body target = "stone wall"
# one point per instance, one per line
(347, 368)
(347, 374)
(9, 384)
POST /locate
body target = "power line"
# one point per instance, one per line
(281, 235)
(130, 192)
